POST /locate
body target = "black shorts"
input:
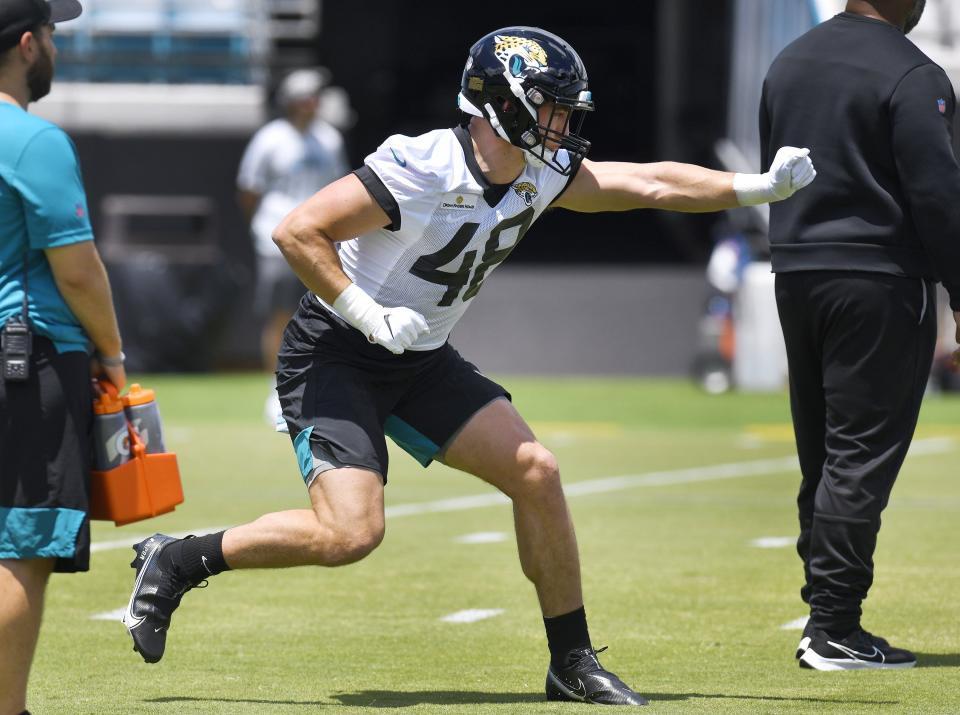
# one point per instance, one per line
(342, 394)
(45, 454)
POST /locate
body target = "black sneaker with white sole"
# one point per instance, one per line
(156, 594)
(582, 679)
(857, 651)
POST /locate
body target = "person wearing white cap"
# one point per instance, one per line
(55, 305)
(287, 161)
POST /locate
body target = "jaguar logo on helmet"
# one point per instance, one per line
(526, 191)
(519, 53)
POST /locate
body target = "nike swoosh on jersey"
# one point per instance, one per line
(397, 158)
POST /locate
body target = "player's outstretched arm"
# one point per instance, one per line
(307, 237)
(621, 186)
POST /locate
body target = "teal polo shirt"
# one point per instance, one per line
(42, 205)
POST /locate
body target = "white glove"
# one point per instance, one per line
(790, 171)
(396, 329)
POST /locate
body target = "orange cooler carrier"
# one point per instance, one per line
(144, 486)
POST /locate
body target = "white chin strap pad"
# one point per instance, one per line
(467, 107)
(495, 122)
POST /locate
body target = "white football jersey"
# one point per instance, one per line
(450, 226)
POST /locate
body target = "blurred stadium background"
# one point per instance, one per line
(161, 97)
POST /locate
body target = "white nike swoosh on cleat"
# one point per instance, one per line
(129, 620)
(857, 655)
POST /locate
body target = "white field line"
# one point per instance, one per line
(709, 473)
(797, 624)
(114, 615)
(482, 537)
(472, 615)
(931, 445)
(611, 484)
(774, 542)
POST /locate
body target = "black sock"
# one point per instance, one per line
(566, 633)
(198, 558)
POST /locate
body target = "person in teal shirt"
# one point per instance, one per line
(53, 281)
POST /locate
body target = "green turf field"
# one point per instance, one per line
(691, 610)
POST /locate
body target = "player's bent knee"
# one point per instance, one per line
(353, 543)
(540, 471)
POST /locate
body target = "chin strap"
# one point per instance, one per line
(467, 107)
(531, 154)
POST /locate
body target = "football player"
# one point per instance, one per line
(393, 254)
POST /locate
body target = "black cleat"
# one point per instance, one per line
(583, 680)
(858, 651)
(156, 595)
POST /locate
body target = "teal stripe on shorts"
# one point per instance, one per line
(39, 533)
(301, 445)
(421, 448)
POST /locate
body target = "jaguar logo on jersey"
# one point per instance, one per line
(456, 201)
(526, 191)
(519, 53)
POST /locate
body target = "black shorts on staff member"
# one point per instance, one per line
(45, 426)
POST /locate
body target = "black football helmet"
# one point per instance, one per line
(510, 74)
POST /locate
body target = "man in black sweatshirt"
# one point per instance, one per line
(856, 256)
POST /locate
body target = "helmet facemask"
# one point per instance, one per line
(544, 140)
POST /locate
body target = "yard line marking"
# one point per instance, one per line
(773, 542)
(482, 537)
(442, 505)
(732, 470)
(931, 445)
(114, 615)
(797, 624)
(472, 615)
(129, 541)
(714, 472)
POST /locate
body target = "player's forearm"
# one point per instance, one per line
(686, 188)
(691, 188)
(90, 299)
(623, 186)
(313, 257)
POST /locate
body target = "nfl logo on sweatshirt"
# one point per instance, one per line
(942, 106)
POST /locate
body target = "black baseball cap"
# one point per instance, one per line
(19, 16)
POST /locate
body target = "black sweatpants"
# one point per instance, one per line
(859, 348)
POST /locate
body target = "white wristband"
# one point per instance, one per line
(359, 309)
(753, 189)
